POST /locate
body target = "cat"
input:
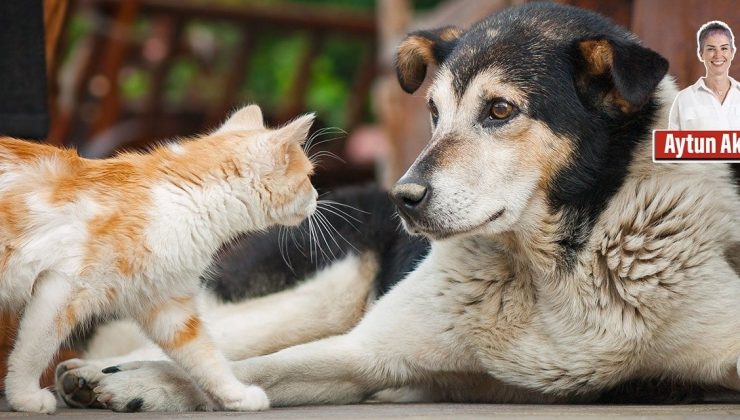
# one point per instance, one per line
(130, 235)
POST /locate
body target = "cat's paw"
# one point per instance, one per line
(32, 401)
(75, 381)
(249, 398)
(150, 386)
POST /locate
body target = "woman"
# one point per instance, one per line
(713, 102)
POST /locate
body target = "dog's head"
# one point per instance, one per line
(536, 98)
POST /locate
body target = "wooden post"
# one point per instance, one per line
(113, 58)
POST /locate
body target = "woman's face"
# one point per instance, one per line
(717, 54)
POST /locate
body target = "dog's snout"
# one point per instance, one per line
(410, 195)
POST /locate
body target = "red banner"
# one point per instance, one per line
(696, 145)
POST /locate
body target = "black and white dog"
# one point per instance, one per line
(563, 262)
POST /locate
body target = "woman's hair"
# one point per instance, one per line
(710, 28)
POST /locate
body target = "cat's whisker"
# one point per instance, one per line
(319, 250)
(287, 253)
(352, 225)
(297, 243)
(313, 153)
(342, 237)
(323, 194)
(315, 234)
(345, 205)
(342, 216)
(308, 150)
(310, 239)
(326, 223)
(326, 130)
(339, 211)
(315, 158)
(283, 237)
(321, 225)
(321, 132)
(314, 239)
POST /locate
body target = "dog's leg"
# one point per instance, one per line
(75, 379)
(329, 303)
(464, 388)
(406, 339)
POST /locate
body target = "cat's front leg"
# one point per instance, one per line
(178, 329)
(55, 308)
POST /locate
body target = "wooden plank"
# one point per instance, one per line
(114, 55)
(294, 16)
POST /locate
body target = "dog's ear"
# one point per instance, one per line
(420, 49)
(620, 74)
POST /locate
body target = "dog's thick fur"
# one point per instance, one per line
(563, 261)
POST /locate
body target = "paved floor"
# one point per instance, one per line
(427, 411)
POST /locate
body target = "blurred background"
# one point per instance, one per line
(124, 74)
(128, 73)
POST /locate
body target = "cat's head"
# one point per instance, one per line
(277, 163)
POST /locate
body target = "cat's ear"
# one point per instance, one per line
(296, 131)
(247, 118)
(288, 141)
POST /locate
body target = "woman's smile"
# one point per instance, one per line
(717, 53)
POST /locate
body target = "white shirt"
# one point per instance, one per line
(696, 108)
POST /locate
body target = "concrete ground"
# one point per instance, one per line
(426, 411)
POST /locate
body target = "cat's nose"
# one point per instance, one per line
(410, 195)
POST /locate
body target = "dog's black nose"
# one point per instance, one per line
(410, 195)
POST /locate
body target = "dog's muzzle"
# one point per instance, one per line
(411, 197)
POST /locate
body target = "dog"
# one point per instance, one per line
(563, 261)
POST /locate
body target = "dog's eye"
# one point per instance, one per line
(435, 113)
(501, 110)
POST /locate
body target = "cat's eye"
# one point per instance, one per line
(501, 110)
(433, 112)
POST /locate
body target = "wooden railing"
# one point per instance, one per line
(97, 119)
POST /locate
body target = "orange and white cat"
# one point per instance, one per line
(129, 236)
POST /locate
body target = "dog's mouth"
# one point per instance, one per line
(443, 232)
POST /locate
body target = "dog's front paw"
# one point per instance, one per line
(150, 386)
(32, 401)
(249, 398)
(75, 381)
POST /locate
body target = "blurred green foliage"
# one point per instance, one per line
(196, 80)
